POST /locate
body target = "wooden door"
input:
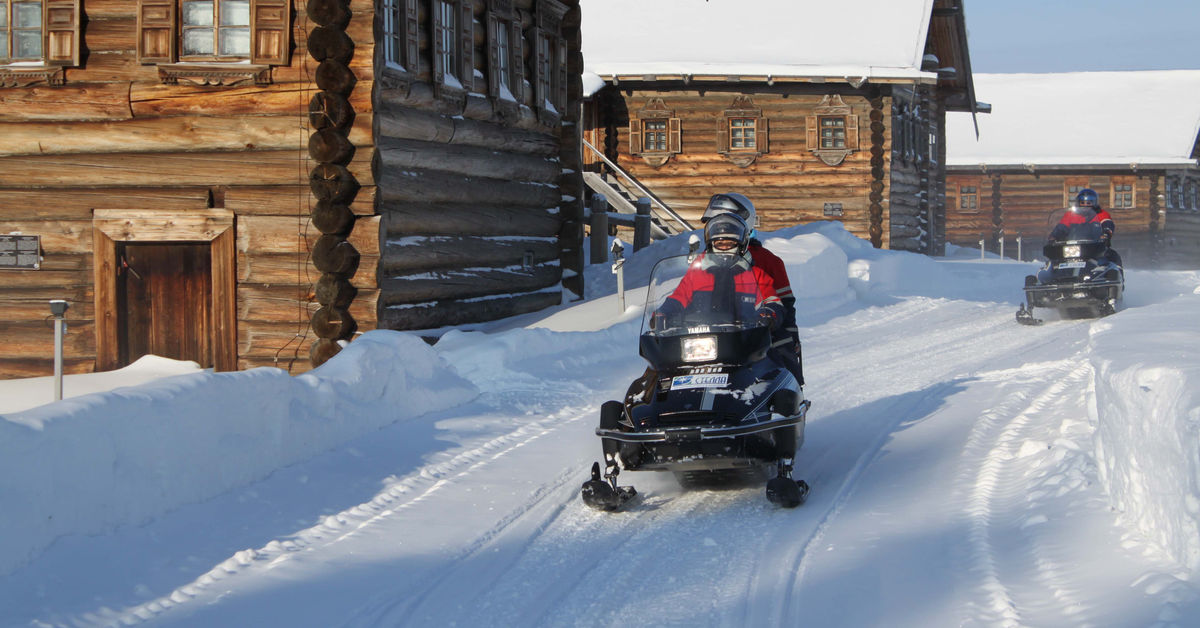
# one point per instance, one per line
(164, 301)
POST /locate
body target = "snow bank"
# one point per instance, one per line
(1148, 422)
(88, 464)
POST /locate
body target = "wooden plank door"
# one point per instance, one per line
(164, 300)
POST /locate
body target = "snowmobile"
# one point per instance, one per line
(712, 402)
(1077, 279)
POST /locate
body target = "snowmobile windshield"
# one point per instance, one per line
(699, 296)
(1084, 232)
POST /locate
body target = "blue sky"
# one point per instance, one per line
(1082, 35)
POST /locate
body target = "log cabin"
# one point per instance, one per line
(814, 110)
(250, 183)
(1133, 137)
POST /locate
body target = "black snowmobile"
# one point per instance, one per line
(711, 403)
(1078, 280)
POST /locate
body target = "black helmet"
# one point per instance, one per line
(726, 226)
(1087, 197)
(730, 203)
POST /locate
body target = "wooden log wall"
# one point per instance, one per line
(480, 199)
(917, 200)
(1029, 205)
(788, 184)
(115, 136)
(1181, 240)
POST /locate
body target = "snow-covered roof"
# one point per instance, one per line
(1139, 118)
(847, 39)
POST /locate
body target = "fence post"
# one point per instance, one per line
(598, 221)
(982, 255)
(1001, 245)
(1019, 257)
(58, 309)
(641, 224)
(618, 269)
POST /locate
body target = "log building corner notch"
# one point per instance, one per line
(331, 115)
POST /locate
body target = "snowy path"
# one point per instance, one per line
(947, 450)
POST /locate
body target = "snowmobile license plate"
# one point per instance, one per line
(1079, 264)
(711, 380)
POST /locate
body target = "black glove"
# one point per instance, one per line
(766, 318)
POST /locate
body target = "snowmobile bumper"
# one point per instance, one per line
(695, 433)
(1081, 294)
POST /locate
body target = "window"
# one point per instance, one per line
(742, 132)
(36, 38)
(968, 198)
(228, 33)
(550, 63)
(453, 45)
(831, 132)
(1193, 202)
(1071, 188)
(22, 36)
(1122, 193)
(654, 134)
(401, 29)
(215, 30)
(505, 62)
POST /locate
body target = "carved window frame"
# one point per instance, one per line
(159, 43)
(742, 107)
(832, 106)
(549, 61)
(655, 112)
(401, 32)
(60, 37)
(506, 60)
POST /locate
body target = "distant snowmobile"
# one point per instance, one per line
(712, 402)
(1078, 280)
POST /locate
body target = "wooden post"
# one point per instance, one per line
(598, 243)
(641, 224)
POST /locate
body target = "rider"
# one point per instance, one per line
(1087, 209)
(788, 335)
(725, 261)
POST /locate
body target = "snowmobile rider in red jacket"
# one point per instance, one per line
(785, 346)
(725, 259)
(1087, 209)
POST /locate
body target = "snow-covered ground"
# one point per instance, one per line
(965, 470)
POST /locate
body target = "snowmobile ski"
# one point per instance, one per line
(1025, 316)
(604, 494)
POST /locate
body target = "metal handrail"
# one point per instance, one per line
(651, 195)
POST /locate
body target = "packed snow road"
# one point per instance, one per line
(947, 450)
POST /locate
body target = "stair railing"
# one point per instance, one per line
(683, 224)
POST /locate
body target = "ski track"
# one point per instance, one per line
(997, 485)
(400, 496)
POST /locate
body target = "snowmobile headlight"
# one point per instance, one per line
(1072, 250)
(699, 348)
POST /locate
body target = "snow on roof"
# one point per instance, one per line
(778, 38)
(1080, 118)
